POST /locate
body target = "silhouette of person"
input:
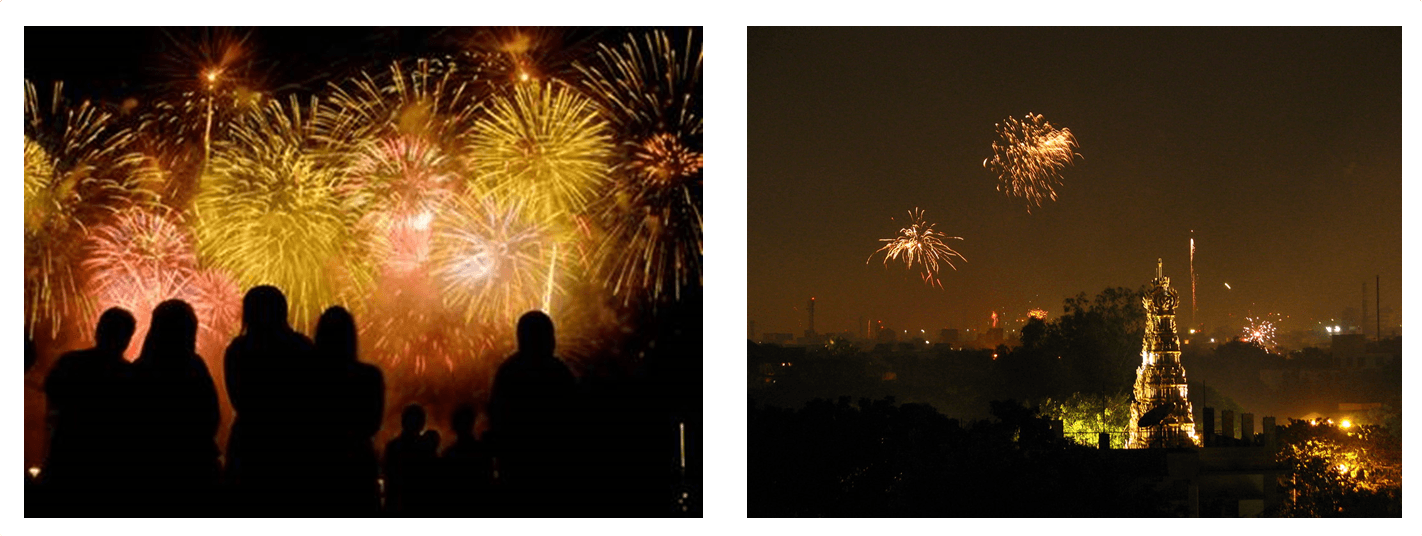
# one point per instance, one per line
(267, 377)
(410, 463)
(175, 418)
(87, 392)
(467, 468)
(351, 403)
(532, 423)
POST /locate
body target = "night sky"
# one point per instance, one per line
(1281, 148)
(109, 63)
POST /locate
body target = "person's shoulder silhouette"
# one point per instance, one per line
(267, 369)
(356, 390)
(176, 414)
(263, 354)
(103, 361)
(348, 405)
(532, 377)
(88, 395)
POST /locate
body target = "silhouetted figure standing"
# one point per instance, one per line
(268, 382)
(175, 416)
(533, 424)
(410, 466)
(467, 472)
(351, 403)
(88, 393)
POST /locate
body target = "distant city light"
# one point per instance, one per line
(1192, 331)
(1346, 423)
(1228, 287)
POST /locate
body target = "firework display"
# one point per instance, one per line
(272, 210)
(919, 242)
(492, 260)
(544, 144)
(650, 89)
(1259, 332)
(437, 198)
(1028, 158)
(77, 172)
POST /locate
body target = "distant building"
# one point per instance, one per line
(886, 335)
(1351, 352)
(777, 338)
(948, 336)
(1161, 414)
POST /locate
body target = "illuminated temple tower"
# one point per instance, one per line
(1160, 411)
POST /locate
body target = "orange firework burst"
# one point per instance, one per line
(1259, 332)
(649, 87)
(919, 242)
(141, 259)
(1029, 156)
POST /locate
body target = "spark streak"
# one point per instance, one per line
(1029, 156)
(920, 242)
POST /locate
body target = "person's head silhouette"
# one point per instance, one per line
(535, 334)
(462, 421)
(412, 420)
(172, 333)
(114, 331)
(264, 310)
(336, 334)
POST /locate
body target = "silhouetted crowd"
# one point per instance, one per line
(139, 439)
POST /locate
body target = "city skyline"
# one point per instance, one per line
(1277, 150)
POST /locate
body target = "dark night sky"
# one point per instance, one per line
(1280, 147)
(111, 63)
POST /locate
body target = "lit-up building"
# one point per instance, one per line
(1160, 412)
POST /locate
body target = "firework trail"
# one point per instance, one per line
(174, 136)
(1259, 332)
(1192, 278)
(650, 89)
(273, 210)
(544, 144)
(1028, 158)
(920, 242)
(77, 173)
(491, 260)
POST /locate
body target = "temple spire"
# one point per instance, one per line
(1159, 267)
